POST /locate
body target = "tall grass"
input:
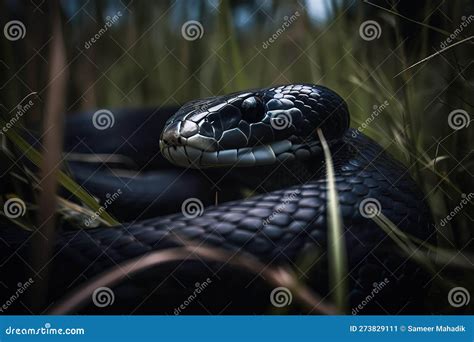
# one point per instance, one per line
(337, 252)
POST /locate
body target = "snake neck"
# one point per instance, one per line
(268, 178)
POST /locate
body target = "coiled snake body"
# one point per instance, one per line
(265, 140)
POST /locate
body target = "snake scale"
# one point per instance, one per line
(264, 140)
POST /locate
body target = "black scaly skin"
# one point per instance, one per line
(213, 132)
(296, 226)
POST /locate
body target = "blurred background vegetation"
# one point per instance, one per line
(143, 60)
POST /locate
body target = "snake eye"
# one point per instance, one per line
(252, 109)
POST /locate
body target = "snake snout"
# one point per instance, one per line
(170, 135)
(186, 133)
(182, 143)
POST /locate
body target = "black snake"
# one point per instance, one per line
(264, 140)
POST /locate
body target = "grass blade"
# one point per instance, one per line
(336, 241)
(67, 182)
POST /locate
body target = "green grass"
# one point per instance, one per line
(337, 252)
(64, 180)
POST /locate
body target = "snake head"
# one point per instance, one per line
(256, 127)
